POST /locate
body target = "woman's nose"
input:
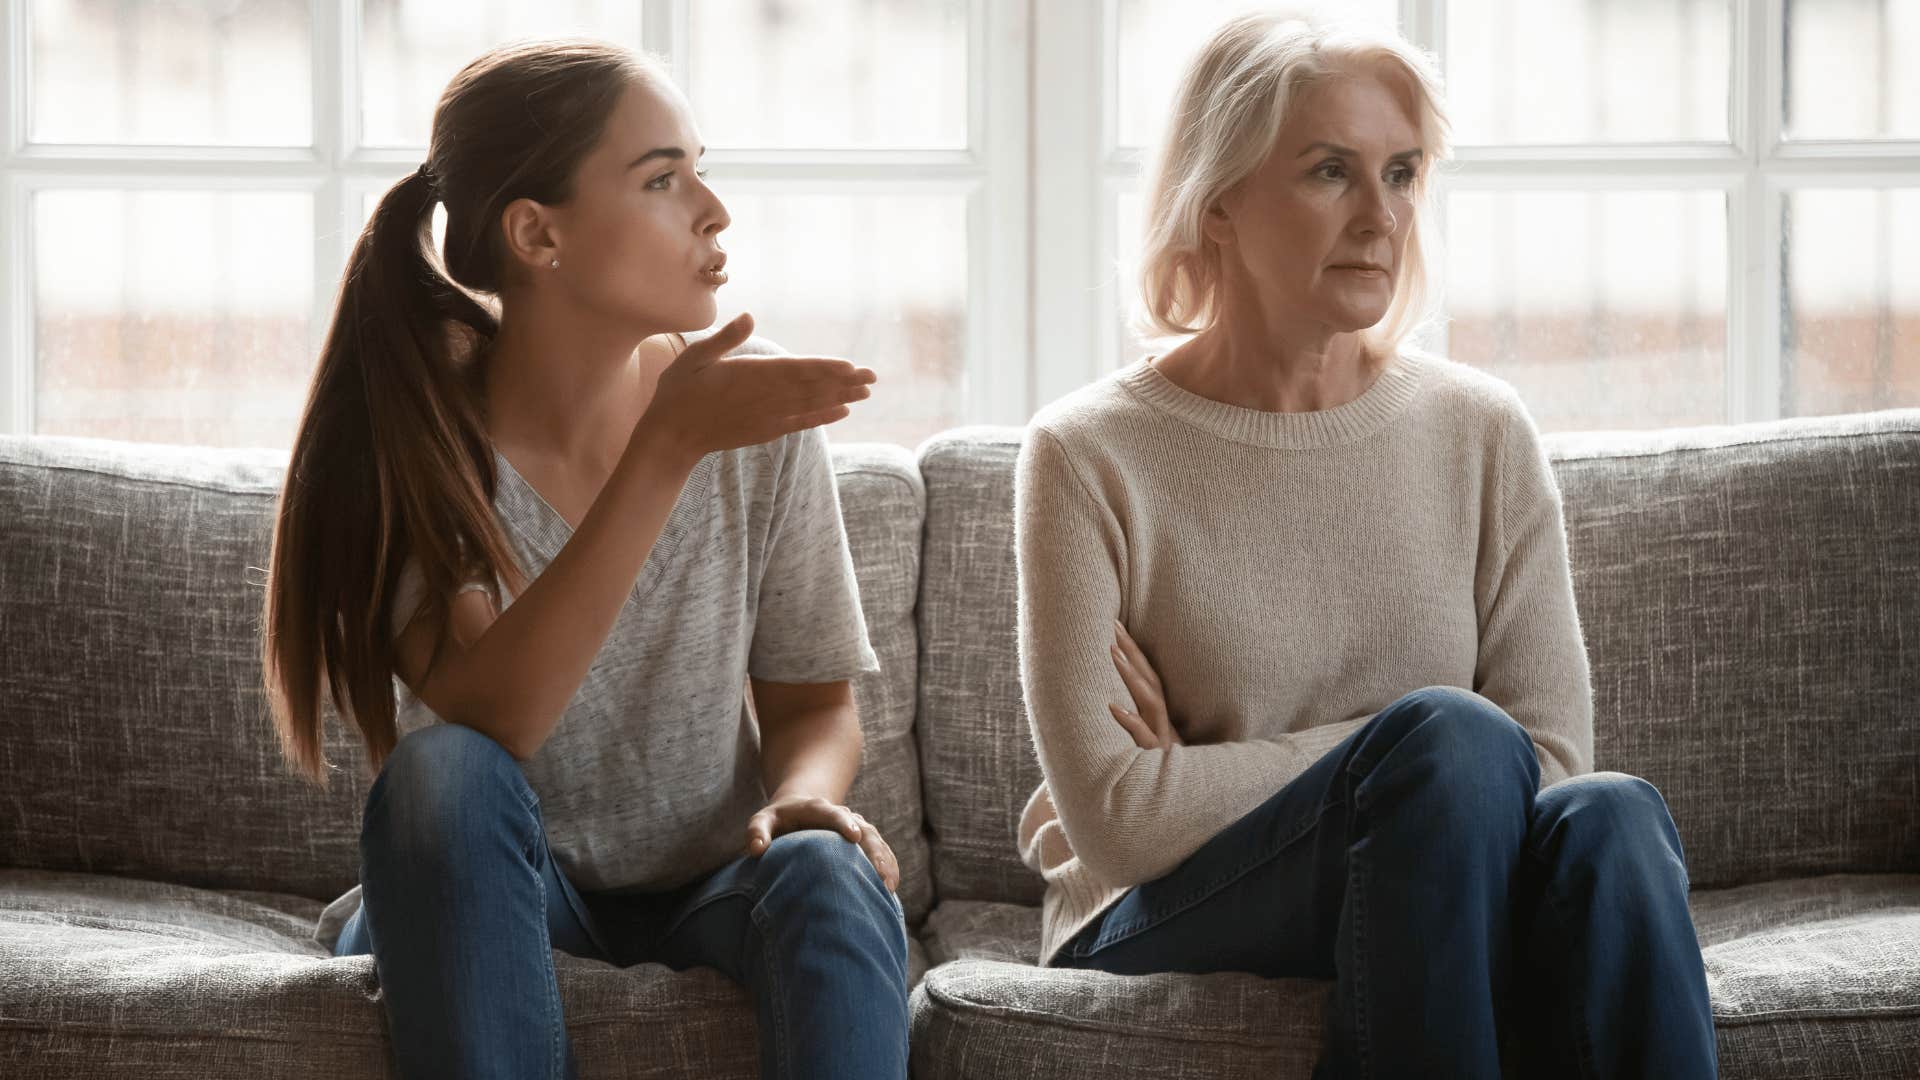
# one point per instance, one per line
(716, 219)
(1376, 214)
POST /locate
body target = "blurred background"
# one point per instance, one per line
(1664, 212)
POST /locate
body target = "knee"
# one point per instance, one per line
(1607, 819)
(1467, 744)
(437, 781)
(823, 870)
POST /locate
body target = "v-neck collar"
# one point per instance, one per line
(547, 531)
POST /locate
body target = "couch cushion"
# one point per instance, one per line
(1815, 978)
(130, 596)
(1747, 598)
(1813, 954)
(136, 734)
(1749, 603)
(1812, 977)
(976, 756)
(986, 1019)
(884, 505)
(103, 975)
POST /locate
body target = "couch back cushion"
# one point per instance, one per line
(135, 736)
(1750, 599)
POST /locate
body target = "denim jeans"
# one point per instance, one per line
(1469, 921)
(461, 906)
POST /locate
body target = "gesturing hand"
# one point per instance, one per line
(791, 813)
(707, 400)
(1150, 727)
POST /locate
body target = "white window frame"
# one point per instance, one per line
(1040, 173)
(339, 172)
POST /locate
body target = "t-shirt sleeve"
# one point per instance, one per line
(411, 593)
(808, 627)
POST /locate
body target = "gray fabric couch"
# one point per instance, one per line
(1751, 602)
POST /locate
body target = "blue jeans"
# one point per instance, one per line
(1462, 914)
(461, 906)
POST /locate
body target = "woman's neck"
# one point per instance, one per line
(570, 396)
(1272, 370)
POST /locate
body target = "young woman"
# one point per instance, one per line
(575, 533)
(1362, 747)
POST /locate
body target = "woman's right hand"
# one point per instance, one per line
(1151, 727)
(706, 400)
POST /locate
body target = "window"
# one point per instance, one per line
(187, 181)
(1663, 211)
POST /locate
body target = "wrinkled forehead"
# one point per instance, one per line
(1370, 109)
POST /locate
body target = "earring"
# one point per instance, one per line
(555, 264)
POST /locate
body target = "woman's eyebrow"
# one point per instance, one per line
(1347, 151)
(673, 152)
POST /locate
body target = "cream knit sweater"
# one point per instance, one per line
(1288, 575)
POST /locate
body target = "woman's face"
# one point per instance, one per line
(639, 241)
(1316, 232)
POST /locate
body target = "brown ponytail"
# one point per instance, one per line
(392, 459)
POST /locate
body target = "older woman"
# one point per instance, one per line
(1329, 574)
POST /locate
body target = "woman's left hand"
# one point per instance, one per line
(791, 813)
(1151, 727)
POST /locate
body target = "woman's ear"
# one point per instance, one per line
(1217, 223)
(529, 232)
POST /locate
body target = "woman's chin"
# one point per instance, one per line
(697, 313)
(1354, 317)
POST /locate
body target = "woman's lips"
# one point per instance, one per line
(715, 272)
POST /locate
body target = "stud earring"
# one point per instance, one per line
(555, 264)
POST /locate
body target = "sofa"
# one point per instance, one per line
(1750, 597)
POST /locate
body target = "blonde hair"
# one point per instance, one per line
(1232, 102)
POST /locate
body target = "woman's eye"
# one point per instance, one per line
(661, 182)
(1331, 170)
(701, 173)
(1400, 177)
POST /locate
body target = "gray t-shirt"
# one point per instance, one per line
(650, 775)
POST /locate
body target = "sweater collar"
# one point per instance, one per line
(1392, 389)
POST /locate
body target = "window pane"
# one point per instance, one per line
(831, 275)
(113, 71)
(829, 73)
(1158, 37)
(1850, 70)
(1588, 71)
(1605, 310)
(414, 47)
(1850, 319)
(172, 316)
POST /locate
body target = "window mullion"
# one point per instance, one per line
(1067, 172)
(1424, 22)
(336, 135)
(1000, 351)
(1754, 286)
(663, 31)
(16, 355)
